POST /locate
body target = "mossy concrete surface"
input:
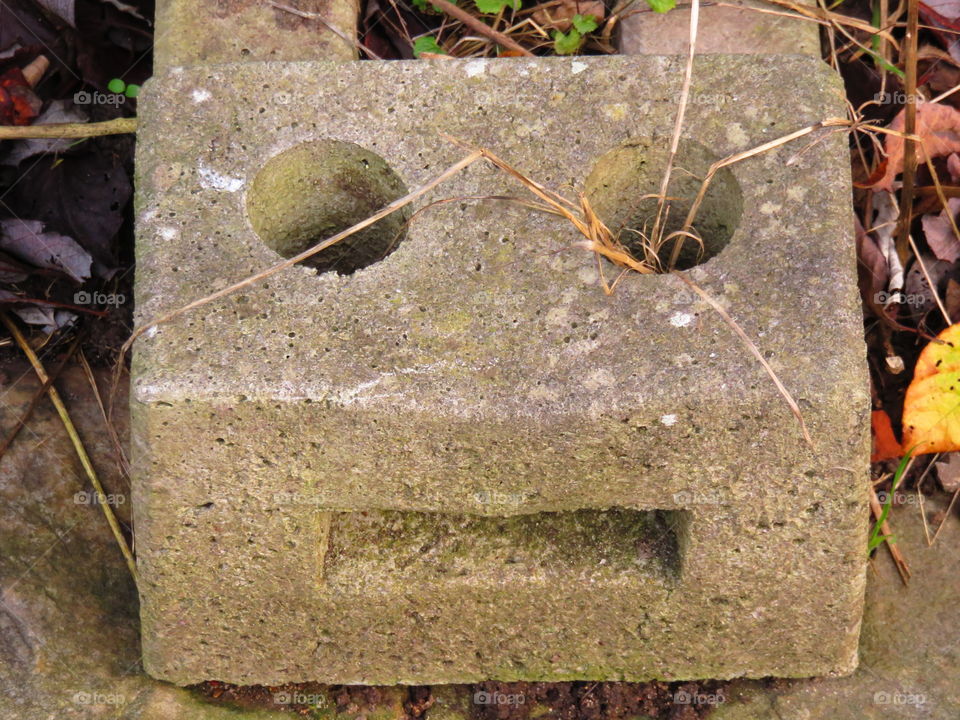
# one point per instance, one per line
(480, 370)
(197, 32)
(747, 28)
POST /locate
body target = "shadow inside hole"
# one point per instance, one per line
(316, 189)
(623, 175)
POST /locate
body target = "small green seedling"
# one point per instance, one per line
(119, 87)
(568, 43)
(427, 44)
(876, 538)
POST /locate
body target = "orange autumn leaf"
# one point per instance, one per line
(939, 128)
(931, 409)
(885, 445)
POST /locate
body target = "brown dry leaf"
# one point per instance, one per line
(939, 128)
(939, 233)
(559, 14)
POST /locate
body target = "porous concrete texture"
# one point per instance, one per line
(753, 28)
(197, 32)
(328, 466)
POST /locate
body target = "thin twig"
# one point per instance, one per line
(753, 350)
(946, 516)
(122, 462)
(117, 126)
(909, 127)
(481, 27)
(77, 443)
(677, 129)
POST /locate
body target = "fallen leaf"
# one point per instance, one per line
(885, 445)
(951, 298)
(939, 232)
(82, 195)
(931, 408)
(938, 126)
(26, 240)
(559, 16)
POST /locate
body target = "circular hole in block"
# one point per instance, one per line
(621, 177)
(315, 190)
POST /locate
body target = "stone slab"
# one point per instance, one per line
(751, 29)
(197, 32)
(478, 373)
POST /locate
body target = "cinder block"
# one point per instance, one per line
(200, 32)
(753, 28)
(464, 461)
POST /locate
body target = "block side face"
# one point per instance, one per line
(199, 32)
(770, 580)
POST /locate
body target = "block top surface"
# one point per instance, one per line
(487, 308)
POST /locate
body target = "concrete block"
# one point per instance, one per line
(751, 29)
(197, 32)
(462, 461)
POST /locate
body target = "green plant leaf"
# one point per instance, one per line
(567, 44)
(427, 44)
(492, 7)
(661, 6)
(584, 23)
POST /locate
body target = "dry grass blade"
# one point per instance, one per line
(122, 463)
(290, 262)
(891, 544)
(746, 154)
(910, 126)
(675, 140)
(77, 444)
(794, 408)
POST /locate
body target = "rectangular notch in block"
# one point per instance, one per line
(542, 547)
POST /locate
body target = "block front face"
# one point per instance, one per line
(464, 461)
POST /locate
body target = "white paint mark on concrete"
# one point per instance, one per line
(669, 420)
(212, 180)
(475, 67)
(578, 67)
(200, 95)
(168, 233)
(152, 331)
(681, 319)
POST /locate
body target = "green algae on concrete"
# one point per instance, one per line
(444, 380)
